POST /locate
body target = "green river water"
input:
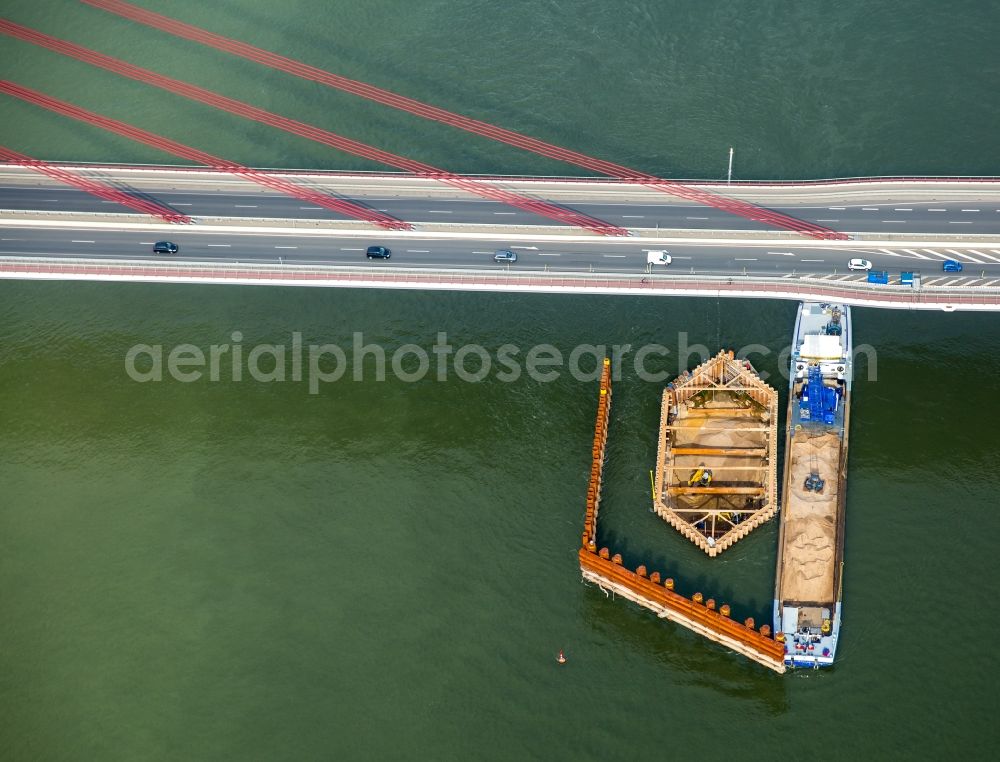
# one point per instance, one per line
(386, 570)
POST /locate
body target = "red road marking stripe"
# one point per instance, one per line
(310, 132)
(193, 154)
(394, 100)
(94, 187)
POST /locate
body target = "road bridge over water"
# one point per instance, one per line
(898, 225)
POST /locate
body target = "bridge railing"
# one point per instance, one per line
(333, 173)
(694, 284)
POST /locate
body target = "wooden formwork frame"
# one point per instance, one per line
(735, 376)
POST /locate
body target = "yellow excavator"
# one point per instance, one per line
(701, 477)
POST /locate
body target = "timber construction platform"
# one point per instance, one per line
(717, 455)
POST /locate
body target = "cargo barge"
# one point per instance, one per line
(808, 579)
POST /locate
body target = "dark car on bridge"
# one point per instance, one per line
(378, 252)
(165, 247)
(504, 255)
(951, 266)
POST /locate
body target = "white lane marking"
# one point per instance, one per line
(677, 257)
(744, 259)
(837, 208)
(991, 282)
(937, 254)
(220, 245)
(929, 281)
(632, 217)
(614, 256)
(952, 282)
(814, 260)
(343, 249)
(890, 253)
(81, 241)
(963, 256)
(311, 208)
(894, 221)
(784, 253)
(903, 209)
(141, 243)
(789, 275)
(869, 208)
(984, 254)
(504, 212)
(937, 210)
(959, 222)
(543, 254)
(482, 252)
(697, 218)
(11, 239)
(827, 220)
(970, 210)
(438, 211)
(245, 206)
(916, 254)
(418, 251)
(176, 204)
(286, 247)
(825, 277)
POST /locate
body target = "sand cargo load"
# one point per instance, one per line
(716, 467)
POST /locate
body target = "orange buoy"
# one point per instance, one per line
(562, 658)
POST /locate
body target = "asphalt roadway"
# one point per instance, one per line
(788, 259)
(935, 209)
(946, 217)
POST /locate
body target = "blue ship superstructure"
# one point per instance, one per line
(807, 605)
(819, 402)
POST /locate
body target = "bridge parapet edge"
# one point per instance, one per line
(862, 294)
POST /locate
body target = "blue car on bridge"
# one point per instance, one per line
(951, 266)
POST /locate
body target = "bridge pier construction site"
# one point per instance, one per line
(648, 587)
